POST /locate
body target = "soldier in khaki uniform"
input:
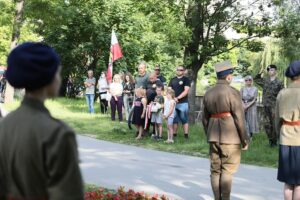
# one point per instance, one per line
(38, 154)
(271, 87)
(223, 121)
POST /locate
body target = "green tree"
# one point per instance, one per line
(209, 20)
(80, 32)
(288, 28)
(17, 24)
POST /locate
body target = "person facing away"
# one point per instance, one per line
(89, 84)
(181, 85)
(128, 93)
(38, 157)
(224, 124)
(139, 111)
(271, 86)
(157, 117)
(169, 113)
(102, 88)
(142, 78)
(152, 83)
(287, 125)
(159, 75)
(116, 101)
(249, 96)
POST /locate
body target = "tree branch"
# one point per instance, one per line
(234, 46)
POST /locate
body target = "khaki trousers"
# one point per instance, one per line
(224, 161)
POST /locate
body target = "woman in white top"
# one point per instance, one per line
(116, 101)
(102, 88)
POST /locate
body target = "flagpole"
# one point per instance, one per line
(115, 54)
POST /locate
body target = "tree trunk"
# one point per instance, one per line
(9, 92)
(193, 75)
(192, 99)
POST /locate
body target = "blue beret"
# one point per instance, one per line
(32, 65)
(293, 69)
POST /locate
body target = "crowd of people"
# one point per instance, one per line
(45, 148)
(147, 96)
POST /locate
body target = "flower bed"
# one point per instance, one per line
(120, 194)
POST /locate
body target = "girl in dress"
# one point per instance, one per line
(139, 111)
(169, 112)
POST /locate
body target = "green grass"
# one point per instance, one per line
(74, 112)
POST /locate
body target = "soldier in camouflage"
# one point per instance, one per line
(271, 86)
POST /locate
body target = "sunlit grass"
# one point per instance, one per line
(74, 112)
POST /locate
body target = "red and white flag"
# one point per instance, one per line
(115, 54)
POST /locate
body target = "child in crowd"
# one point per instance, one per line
(169, 112)
(139, 111)
(157, 115)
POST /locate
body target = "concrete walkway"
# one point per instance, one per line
(112, 165)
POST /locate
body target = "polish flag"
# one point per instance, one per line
(115, 54)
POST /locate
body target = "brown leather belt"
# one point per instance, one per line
(221, 115)
(294, 123)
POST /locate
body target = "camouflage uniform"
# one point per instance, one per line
(270, 92)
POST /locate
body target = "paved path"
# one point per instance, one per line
(180, 177)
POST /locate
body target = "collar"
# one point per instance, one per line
(142, 75)
(222, 82)
(35, 104)
(294, 85)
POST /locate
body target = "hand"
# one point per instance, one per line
(165, 117)
(142, 116)
(258, 75)
(245, 148)
(116, 98)
(176, 99)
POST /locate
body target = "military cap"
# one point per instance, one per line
(223, 68)
(271, 67)
(293, 69)
(32, 65)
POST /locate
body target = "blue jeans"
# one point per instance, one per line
(90, 102)
(181, 113)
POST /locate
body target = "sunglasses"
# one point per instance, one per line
(248, 80)
(180, 70)
(157, 69)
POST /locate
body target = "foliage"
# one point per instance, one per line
(6, 26)
(80, 32)
(6, 17)
(120, 194)
(288, 28)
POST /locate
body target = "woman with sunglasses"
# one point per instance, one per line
(249, 97)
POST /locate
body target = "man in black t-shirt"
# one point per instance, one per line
(181, 85)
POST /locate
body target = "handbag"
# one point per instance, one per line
(155, 107)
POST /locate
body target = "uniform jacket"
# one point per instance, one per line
(38, 156)
(227, 130)
(270, 90)
(288, 109)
